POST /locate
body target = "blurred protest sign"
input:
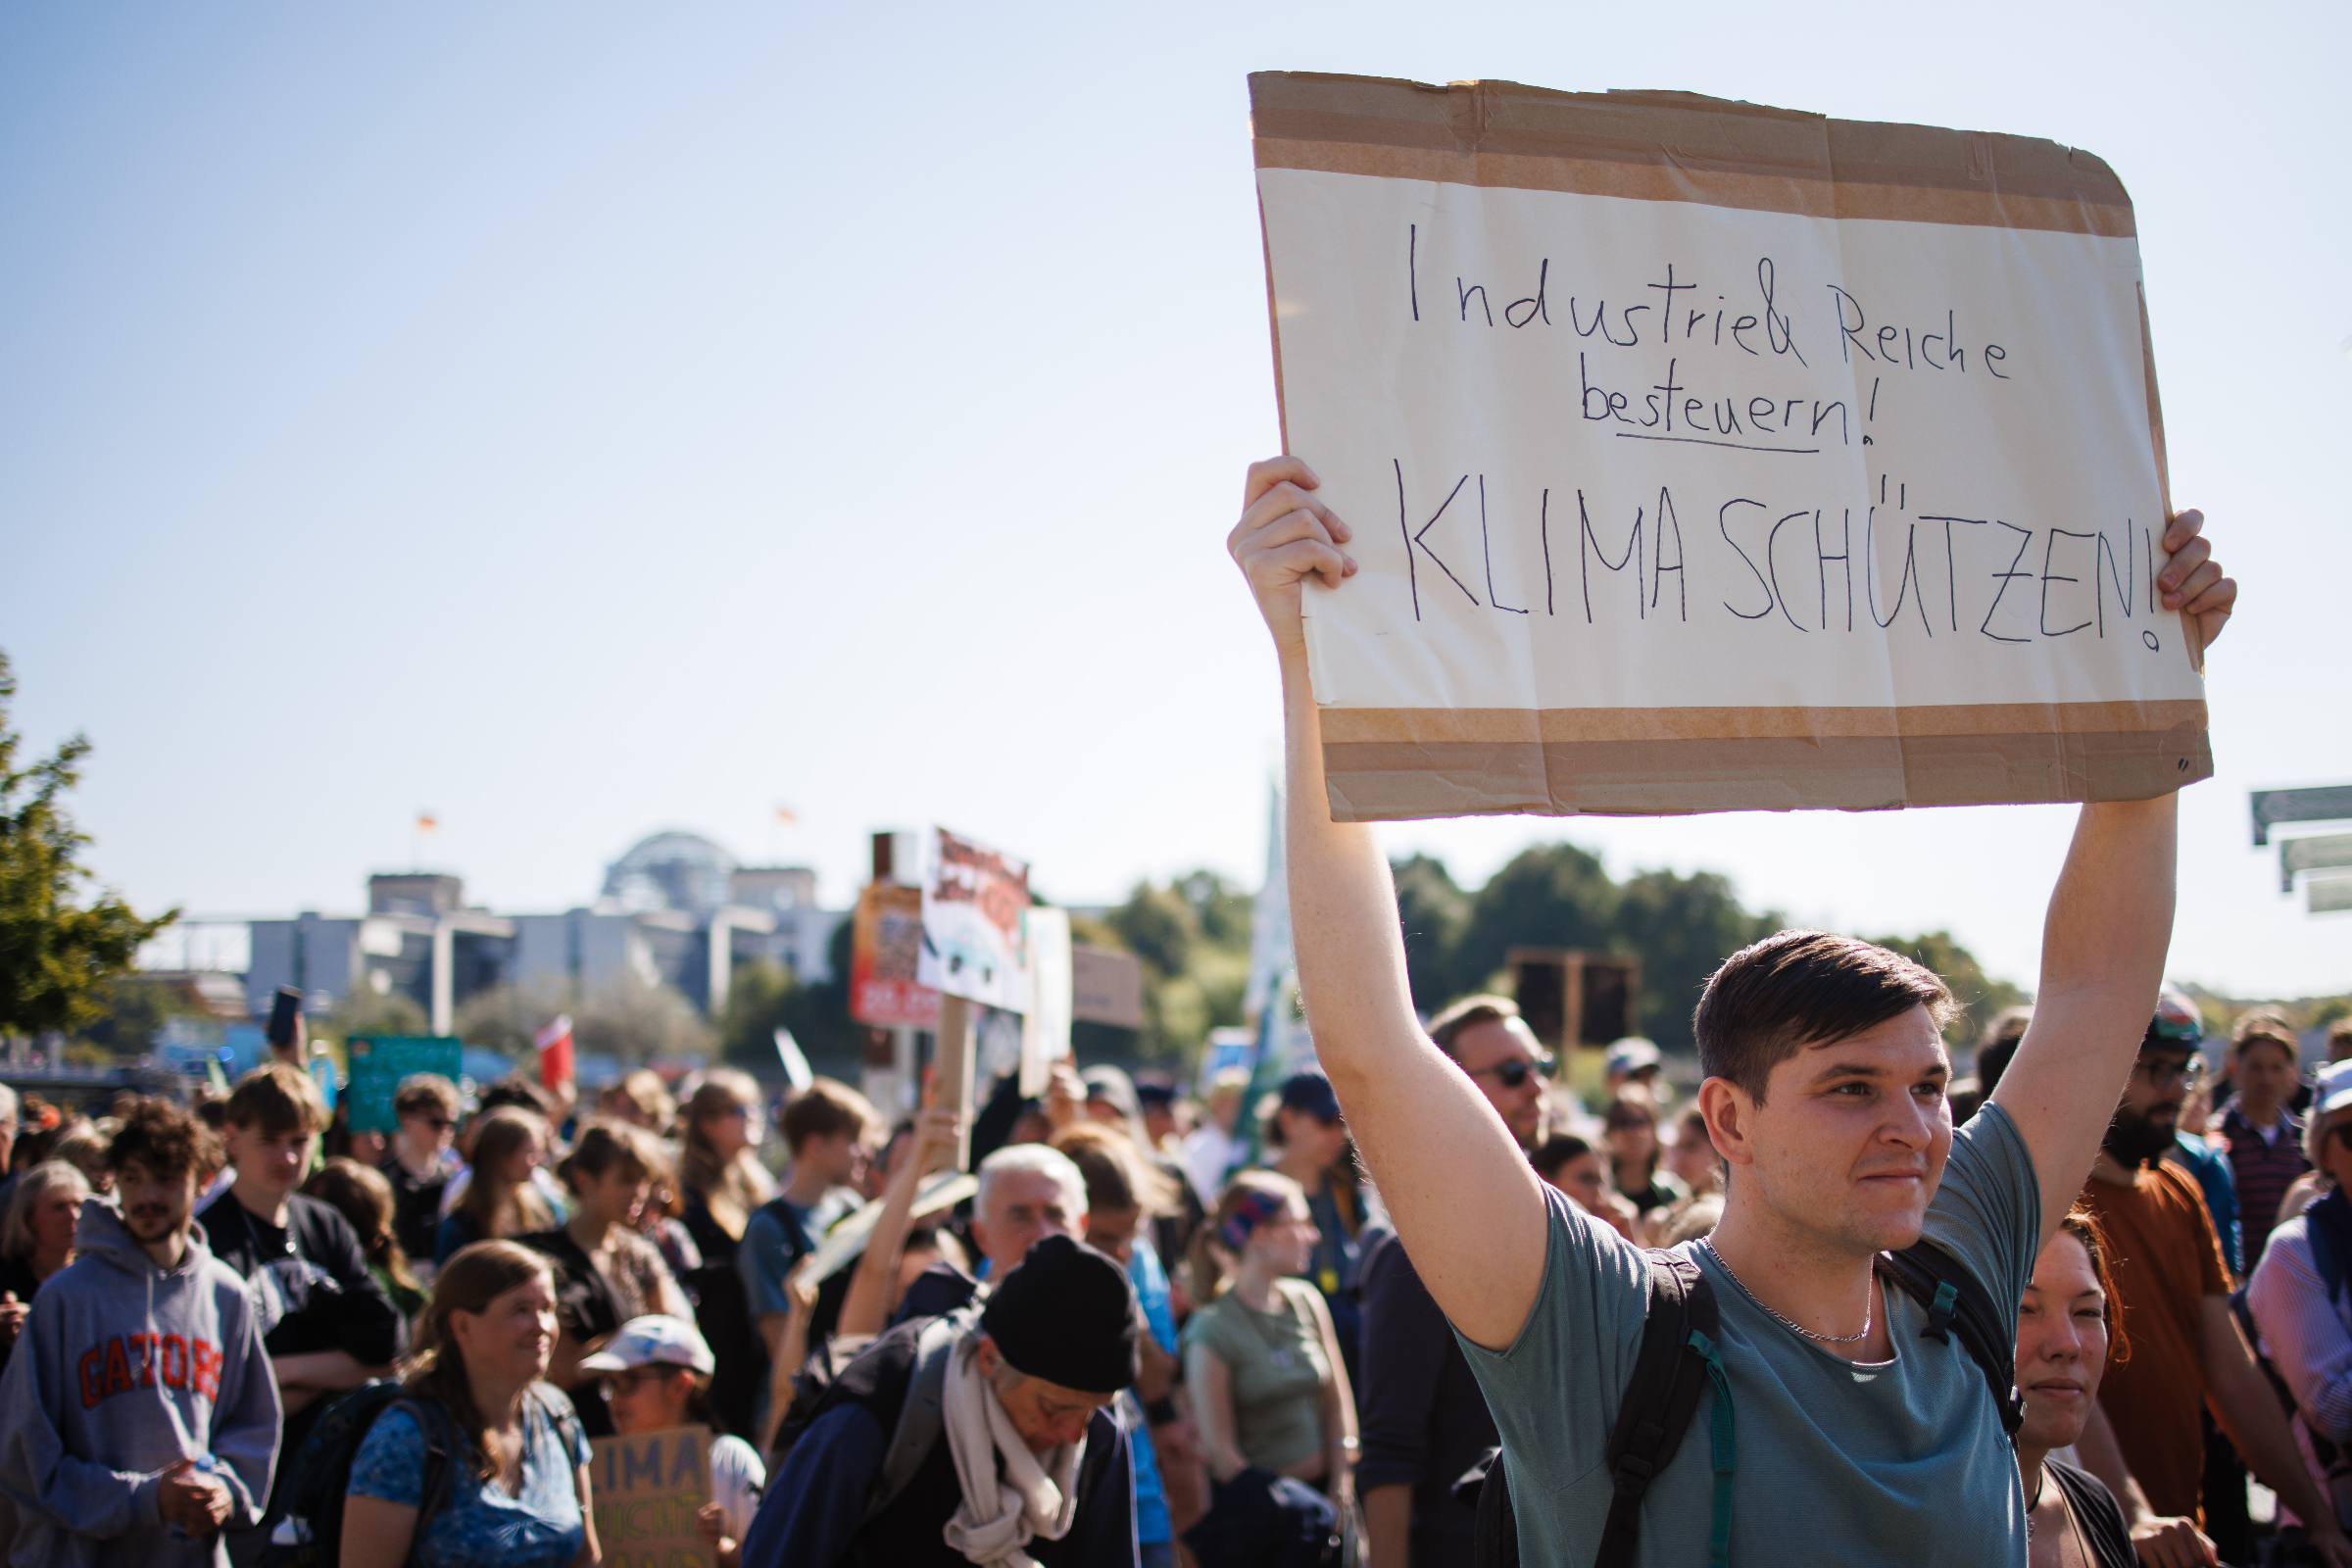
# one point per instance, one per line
(886, 944)
(794, 1062)
(554, 1043)
(1045, 1028)
(645, 1491)
(1547, 350)
(378, 1062)
(973, 900)
(1106, 986)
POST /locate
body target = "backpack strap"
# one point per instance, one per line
(922, 1415)
(1956, 1303)
(1676, 1363)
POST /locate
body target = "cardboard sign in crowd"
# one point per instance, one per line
(645, 1491)
(1702, 456)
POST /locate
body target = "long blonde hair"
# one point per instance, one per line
(473, 1276)
(499, 1206)
(730, 1188)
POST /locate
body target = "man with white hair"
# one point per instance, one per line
(1028, 1192)
(974, 1438)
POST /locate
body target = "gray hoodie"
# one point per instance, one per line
(123, 1370)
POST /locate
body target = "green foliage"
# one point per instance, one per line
(363, 1012)
(131, 1010)
(1193, 936)
(626, 1019)
(764, 997)
(1434, 911)
(1980, 996)
(1681, 928)
(58, 954)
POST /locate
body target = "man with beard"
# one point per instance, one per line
(1424, 1421)
(2185, 1346)
(139, 1416)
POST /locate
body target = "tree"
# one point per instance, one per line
(764, 997)
(1683, 927)
(58, 953)
(1433, 911)
(1551, 895)
(134, 1010)
(1980, 996)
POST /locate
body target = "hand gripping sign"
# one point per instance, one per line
(1709, 457)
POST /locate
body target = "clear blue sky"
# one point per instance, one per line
(580, 419)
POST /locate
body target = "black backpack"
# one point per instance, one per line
(920, 1413)
(1679, 1362)
(317, 1474)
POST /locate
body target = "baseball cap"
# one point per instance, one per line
(2334, 1091)
(1631, 1055)
(1311, 1093)
(654, 1341)
(2177, 1026)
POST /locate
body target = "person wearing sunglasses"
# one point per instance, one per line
(1424, 1421)
(2186, 1348)
(655, 1374)
(1632, 1131)
(421, 1163)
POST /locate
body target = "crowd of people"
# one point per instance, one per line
(1227, 1354)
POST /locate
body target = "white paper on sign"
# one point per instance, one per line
(1045, 1028)
(973, 900)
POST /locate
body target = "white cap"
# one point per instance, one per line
(653, 1342)
(2334, 1091)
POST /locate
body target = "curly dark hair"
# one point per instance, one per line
(161, 1138)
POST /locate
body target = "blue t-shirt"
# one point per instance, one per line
(1838, 1463)
(481, 1526)
(1151, 1523)
(770, 1250)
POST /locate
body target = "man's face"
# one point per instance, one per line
(267, 1162)
(2265, 1074)
(1850, 1141)
(1024, 1206)
(838, 1154)
(153, 1205)
(1047, 1415)
(2148, 1117)
(1488, 1053)
(427, 1131)
(1113, 1232)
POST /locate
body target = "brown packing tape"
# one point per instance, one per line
(1680, 147)
(1373, 781)
(1524, 725)
(2192, 632)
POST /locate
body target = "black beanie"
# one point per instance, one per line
(1067, 1315)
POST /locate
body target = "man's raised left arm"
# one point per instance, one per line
(2104, 941)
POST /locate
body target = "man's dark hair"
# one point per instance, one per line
(1999, 1044)
(521, 1093)
(163, 1139)
(1776, 997)
(1466, 1013)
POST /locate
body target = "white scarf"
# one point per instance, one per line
(1037, 1494)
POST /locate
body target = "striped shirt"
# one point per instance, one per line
(2264, 1169)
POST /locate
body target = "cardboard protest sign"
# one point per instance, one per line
(378, 1062)
(1106, 986)
(886, 944)
(645, 1491)
(1709, 457)
(973, 900)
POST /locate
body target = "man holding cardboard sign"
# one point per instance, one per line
(1825, 1094)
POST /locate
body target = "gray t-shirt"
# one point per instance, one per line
(1837, 1463)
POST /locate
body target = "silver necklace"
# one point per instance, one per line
(1790, 1326)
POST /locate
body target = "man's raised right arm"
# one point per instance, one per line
(1465, 1203)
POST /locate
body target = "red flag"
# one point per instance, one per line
(555, 1052)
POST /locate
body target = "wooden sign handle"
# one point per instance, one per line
(955, 1059)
